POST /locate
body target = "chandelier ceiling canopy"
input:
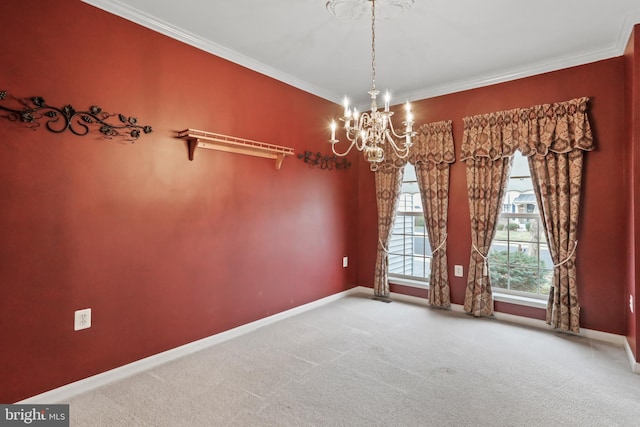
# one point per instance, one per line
(359, 9)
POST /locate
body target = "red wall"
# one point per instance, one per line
(603, 230)
(632, 128)
(165, 251)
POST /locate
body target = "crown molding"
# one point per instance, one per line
(625, 30)
(137, 16)
(122, 10)
(509, 75)
(534, 69)
(529, 71)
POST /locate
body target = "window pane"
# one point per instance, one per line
(409, 250)
(409, 187)
(519, 258)
(501, 229)
(417, 202)
(499, 265)
(419, 226)
(523, 277)
(409, 174)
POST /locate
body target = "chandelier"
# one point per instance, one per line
(370, 131)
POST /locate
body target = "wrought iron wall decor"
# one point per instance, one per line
(326, 161)
(32, 110)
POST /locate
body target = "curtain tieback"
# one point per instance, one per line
(485, 267)
(573, 251)
(439, 246)
(386, 251)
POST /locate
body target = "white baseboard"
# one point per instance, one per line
(635, 366)
(64, 393)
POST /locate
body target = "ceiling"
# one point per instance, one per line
(434, 48)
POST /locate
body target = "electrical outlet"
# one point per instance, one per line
(631, 302)
(458, 271)
(345, 261)
(82, 319)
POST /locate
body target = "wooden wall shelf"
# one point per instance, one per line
(231, 144)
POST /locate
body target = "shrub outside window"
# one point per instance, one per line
(519, 258)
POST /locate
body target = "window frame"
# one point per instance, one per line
(534, 298)
(405, 279)
(513, 215)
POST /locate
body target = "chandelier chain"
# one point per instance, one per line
(373, 44)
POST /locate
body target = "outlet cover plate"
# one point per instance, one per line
(345, 261)
(82, 319)
(458, 271)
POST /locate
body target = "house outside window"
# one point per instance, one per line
(519, 260)
(409, 249)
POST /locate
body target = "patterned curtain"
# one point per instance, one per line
(488, 144)
(554, 137)
(557, 136)
(388, 178)
(432, 155)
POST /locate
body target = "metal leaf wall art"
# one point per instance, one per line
(325, 161)
(32, 111)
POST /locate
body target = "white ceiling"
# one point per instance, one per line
(436, 47)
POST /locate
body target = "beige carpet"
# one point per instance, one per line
(360, 362)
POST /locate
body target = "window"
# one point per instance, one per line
(409, 249)
(519, 259)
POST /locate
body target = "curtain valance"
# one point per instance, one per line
(391, 159)
(559, 127)
(433, 144)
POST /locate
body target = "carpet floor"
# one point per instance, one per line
(361, 362)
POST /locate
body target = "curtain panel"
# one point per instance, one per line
(557, 136)
(488, 144)
(388, 185)
(432, 154)
(553, 137)
(388, 179)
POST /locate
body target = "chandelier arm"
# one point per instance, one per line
(353, 136)
(333, 149)
(399, 135)
(372, 130)
(359, 142)
(400, 152)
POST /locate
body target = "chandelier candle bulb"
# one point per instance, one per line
(333, 130)
(387, 98)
